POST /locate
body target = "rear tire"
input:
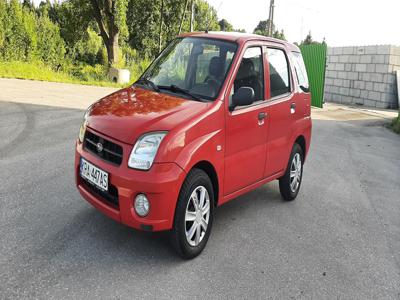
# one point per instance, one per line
(193, 215)
(289, 184)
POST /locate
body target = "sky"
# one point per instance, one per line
(340, 22)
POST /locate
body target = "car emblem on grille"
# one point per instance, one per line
(99, 147)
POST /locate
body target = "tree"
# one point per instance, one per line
(73, 17)
(262, 29)
(50, 45)
(28, 34)
(3, 25)
(183, 16)
(144, 24)
(279, 35)
(309, 40)
(28, 4)
(143, 21)
(240, 30)
(17, 31)
(205, 16)
(73, 33)
(224, 25)
(110, 16)
(161, 24)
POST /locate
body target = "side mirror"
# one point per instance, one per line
(305, 89)
(243, 96)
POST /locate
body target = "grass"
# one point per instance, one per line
(396, 124)
(39, 71)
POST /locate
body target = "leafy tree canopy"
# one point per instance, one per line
(262, 29)
(309, 40)
(72, 34)
(224, 25)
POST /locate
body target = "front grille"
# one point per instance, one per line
(109, 197)
(111, 152)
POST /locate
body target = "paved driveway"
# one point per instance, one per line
(339, 240)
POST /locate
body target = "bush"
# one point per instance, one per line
(90, 49)
(15, 37)
(50, 45)
(396, 124)
(135, 63)
(31, 39)
(24, 36)
(90, 73)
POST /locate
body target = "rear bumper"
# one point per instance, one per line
(161, 184)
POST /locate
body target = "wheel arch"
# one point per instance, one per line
(209, 169)
(301, 141)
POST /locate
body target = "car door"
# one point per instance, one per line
(246, 127)
(282, 108)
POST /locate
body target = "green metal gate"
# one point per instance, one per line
(314, 56)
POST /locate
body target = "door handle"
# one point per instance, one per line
(292, 108)
(261, 116)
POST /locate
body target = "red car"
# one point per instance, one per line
(214, 116)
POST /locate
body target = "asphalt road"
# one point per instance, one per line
(340, 239)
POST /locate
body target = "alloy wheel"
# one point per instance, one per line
(295, 172)
(197, 216)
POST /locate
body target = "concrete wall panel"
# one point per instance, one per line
(362, 75)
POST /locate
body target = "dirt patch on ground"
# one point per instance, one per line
(336, 112)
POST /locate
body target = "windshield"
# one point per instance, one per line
(198, 66)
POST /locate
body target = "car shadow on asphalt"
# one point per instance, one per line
(133, 247)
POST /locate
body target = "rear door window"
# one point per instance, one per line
(279, 74)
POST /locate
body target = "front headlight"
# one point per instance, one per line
(82, 130)
(145, 149)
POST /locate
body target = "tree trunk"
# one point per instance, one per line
(109, 33)
(191, 15)
(183, 17)
(112, 49)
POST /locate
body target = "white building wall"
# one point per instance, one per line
(362, 75)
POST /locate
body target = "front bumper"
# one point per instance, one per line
(161, 184)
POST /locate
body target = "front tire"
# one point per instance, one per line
(289, 184)
(193, 215)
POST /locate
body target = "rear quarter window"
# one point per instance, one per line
(300, 68)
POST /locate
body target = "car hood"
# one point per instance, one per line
(133, 111)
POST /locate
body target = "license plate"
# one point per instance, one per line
(94, 175)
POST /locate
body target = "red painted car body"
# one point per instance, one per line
(237, 151)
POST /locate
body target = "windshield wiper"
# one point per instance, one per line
(148, 82)
(177, 89)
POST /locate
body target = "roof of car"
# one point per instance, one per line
(238, 37)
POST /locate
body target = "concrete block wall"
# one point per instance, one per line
(363, 75)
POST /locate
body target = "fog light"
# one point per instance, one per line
(142, 205)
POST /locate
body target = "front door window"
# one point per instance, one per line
(251, 73)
